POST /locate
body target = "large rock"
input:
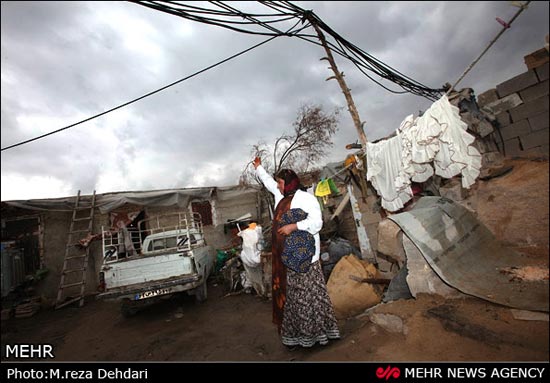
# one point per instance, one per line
(390, 241)
(389, 322)
(350, 297)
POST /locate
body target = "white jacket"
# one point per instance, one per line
(301, 200)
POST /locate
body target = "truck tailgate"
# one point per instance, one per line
(146, 269)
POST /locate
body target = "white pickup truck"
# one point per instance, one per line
(173, 257)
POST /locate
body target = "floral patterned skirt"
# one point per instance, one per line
(308, 315)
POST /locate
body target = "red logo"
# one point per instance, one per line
(389, 372)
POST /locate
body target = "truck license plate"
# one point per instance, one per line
(151, 293)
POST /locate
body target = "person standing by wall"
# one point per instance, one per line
(302, 309)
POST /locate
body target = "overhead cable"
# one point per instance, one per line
(226, 16)
(139, 98)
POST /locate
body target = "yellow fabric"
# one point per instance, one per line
(322, 189)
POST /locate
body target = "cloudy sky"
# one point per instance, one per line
(63, 62)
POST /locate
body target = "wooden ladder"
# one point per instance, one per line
(73, 276)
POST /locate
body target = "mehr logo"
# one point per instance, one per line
(389, 372)
(29, 351)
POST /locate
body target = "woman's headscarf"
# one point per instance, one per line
(292, 181)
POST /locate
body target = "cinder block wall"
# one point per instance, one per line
(520, 105)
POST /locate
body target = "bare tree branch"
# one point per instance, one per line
(312, 137)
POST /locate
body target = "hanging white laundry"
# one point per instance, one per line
(456, 154)
(438, 139)
(419, 144)
(386, 173)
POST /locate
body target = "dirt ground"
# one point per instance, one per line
(238, 327)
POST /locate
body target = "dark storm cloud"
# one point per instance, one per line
(66, 61)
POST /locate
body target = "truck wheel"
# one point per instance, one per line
(201, 293)
(128, 309)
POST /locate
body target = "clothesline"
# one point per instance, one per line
(339, 171)
(505, 25)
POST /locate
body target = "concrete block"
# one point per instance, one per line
(490, 142)
(535, 91)
(490, 159)
(535, 139)
(504, 119)
(529, 109)
(536, 59)
(512, 147)
(539, 121)
(542, 72)
(506, 103)
(517, 129)
(485, 128)
(487, 97)
(515, 84)
(480, 145)
(488, 113)
(495, 141)
(481, 127)
(467, 118)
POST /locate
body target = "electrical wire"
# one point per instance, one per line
(142, 97)
(363, 60)
(231, 18)
(228, 17)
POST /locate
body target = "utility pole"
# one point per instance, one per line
(339, 76)
(366, 249)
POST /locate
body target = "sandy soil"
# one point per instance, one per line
(238, 327)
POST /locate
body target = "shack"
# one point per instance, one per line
(35, 233)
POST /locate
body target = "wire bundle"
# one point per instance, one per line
(265, 24)
(226, 16)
